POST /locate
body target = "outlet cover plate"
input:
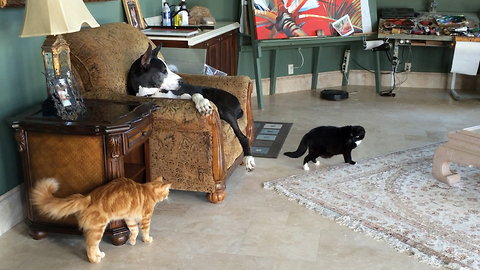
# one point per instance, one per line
(408, 66)
(290, 69)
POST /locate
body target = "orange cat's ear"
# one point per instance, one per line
(159, 179)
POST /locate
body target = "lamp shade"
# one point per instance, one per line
(53, 17)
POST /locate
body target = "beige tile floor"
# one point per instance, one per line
(259, 229)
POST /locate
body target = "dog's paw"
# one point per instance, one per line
(204, 107)
(305, 167)
(353, 162)
(316, 162)
(249, 162)
(202, 104)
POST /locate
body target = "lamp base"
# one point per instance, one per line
(62, 88)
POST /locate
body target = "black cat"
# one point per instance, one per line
(328, 141)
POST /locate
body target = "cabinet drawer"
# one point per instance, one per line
(138, 135)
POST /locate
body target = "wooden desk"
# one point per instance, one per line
(317, 43)
(221, 44)
(109, 141)
(421, 40)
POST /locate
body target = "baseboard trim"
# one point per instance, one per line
(13, 209)
(330, 79)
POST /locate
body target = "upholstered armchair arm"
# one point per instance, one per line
(237, 85)
(240, 86)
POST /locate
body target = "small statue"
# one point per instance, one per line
(433, 6)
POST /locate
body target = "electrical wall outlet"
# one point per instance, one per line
(290, 69)
(346, 61)
(408, 67)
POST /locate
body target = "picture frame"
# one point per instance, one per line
(343, 26)
(66, 101)
(134, 14)
(21, 3)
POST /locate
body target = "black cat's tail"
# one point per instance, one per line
(302, 148)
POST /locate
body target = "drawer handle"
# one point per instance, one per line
(144, 133)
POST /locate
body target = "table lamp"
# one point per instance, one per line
(52, 18)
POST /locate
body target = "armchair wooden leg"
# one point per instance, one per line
(217, 196)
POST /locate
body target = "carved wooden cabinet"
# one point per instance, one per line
(110, 140)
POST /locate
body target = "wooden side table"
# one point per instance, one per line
(110, 140)
(463, 148)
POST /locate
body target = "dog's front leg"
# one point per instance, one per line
(202, 104)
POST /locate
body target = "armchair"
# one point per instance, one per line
(193, 152)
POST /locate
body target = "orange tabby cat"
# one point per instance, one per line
(119, 199)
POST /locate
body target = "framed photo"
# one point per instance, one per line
(64, 92)
(133, 13)
(66, 99)
(21, 3)
(343, 26)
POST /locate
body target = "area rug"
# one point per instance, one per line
(395, 198)
(269, 138)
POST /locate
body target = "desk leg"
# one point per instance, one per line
(258, 82)
(452, 87)
(316, 54)
(378, 78)
(273, 71)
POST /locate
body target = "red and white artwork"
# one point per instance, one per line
(276, 19)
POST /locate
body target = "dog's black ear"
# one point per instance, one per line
(156, 50)
(146, 57)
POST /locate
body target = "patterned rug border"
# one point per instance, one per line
(358, 225)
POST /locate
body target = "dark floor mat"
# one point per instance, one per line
(269, 138)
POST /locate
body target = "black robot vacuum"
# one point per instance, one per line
(332, 94)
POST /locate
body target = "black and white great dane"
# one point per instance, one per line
(150, 76)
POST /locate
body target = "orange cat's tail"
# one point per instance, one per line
(56, 208)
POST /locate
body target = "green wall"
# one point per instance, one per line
(22, 83)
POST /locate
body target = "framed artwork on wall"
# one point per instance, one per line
(276, 19)
(21, 3)
(134, 13)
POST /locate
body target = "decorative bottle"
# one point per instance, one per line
(166, 20)
(183, 13)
